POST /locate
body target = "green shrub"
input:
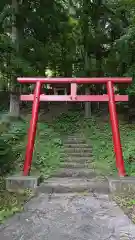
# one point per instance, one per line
(46, 157)
(68, 122)
(10, 144)
(4, 124)
(6, 157)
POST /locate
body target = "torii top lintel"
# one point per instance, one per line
(75, 80)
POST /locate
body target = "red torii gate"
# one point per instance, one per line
(110, 97)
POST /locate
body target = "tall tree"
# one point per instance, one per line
(14, 95)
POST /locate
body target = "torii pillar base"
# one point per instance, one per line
(20, 184)
(121, 185)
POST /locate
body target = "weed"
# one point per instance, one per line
(68, 122)
(46, 159)
(47, 150)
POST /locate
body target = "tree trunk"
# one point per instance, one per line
(87, 105)
(14, 109)
(14, 105)
(15, 32)
(87, 89)
(86, 54)
(98, 56)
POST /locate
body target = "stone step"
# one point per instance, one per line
(77, 145)
(74, 172)
(78, 150)
(74, 141)
(76, 165)
(75, 137)
(68, 185)
(76, 154)
(75, 159)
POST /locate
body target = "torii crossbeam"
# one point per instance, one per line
(110, 97)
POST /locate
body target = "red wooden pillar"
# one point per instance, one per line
(115, 130)
(32, 129)
(73, 91)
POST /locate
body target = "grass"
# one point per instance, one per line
(68, 123)
(99, 136)
(13, 133)
(98, 132)
(46, 159)
(47, 150)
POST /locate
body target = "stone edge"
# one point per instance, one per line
(121, 184)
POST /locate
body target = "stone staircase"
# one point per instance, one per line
(76, 173)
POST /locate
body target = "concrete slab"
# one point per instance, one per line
(21, 183)
(122, 184)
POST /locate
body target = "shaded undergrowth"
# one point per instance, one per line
(98, 132)
(46, 158)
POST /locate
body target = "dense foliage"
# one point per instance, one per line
(82, 38)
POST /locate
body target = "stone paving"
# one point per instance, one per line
(69, 217)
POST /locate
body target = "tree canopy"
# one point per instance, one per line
(71, 38)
